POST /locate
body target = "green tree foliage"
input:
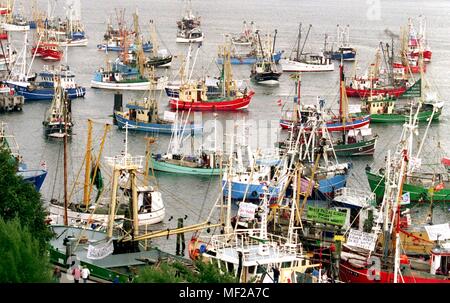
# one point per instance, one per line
(21, 258)
(177, 272)
(20, 199)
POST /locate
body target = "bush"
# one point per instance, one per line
(177, 272)
(19, 199)
(21, 257)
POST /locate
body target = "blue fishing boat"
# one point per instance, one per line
(44, 89)
(142, 116)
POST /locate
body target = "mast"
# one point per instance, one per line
(260, 45)
(306, 38)
(228, 227)
(273, 45)
(343, 105)
(66, 221)
(299, 37)
(86, 192)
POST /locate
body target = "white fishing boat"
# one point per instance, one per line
(306, 62)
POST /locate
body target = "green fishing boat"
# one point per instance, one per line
(417, 187)
(186, 166)
(384, 109)
(363, 148)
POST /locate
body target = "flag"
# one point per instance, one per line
(439, 187)
(279, 102)
(406, 198)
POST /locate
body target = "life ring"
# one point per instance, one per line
(254, 193)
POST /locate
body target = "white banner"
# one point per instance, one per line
(100, 251)
(440, 230)
(247, 210)
(170, 116)
(361, 239)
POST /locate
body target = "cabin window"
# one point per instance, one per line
(251, 269)
(230, 267)
(286, 265)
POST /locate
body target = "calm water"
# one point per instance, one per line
(194, 196)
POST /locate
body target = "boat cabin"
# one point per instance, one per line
(379, 104)
(144, 111)
(440, 260)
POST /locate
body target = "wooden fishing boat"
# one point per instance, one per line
(48, 51)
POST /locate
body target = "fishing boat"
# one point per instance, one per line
(383, 241)
(33, 90)
(48, 51)
(58, 122)
(126, 74)
(110, 255)
(344, 51)
(246, 37)
(245, 56)
(388, 109)
(204, 162)
(193, 94)
(93, 213)
(143, 115)
(159, 57)
(33, 176)
(417, 41)
(373, 84)
(265, 71)
(294, 118)
(188, 28)
(115, 39)
(15, 23)
(306, 62)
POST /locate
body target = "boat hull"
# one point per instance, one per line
(366, 148)
(271, 78)
(35, 177)
(349, 274)
(423, 116)
(364, 93)
(15, 28)
(46, 93)
(294, 66)
(356, 123)
(138, 86)
(155, 127)
(344, 56)
(178, 169)
(159, 62)
(417, 192)
(74, 43)
(249, 60)
(254, 191)
(235, 104)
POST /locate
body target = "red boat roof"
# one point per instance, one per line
(445, 161)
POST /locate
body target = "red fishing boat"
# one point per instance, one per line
(200, 102)
(372, 84)
(48, 51)
(193, 94)
(418, 41)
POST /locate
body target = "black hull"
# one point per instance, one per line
(265, 77)
(156, 62)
